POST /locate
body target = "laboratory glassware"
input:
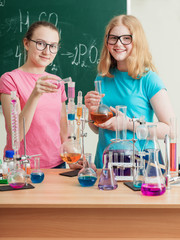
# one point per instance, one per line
(141, 133)
(87, 176)
(153, 181)
(37, 175)
(107, 178)
(17, 177)
(121, 149)
(15, 125)
(103, 112)
(71, 90)
(173, 146)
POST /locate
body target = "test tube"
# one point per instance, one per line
(173, 146)
(79, 106)
(71, 90)
(71, 109)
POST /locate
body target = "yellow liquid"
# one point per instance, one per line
(70, 157)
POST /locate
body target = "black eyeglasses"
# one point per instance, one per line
(41, 45)
(124, 39)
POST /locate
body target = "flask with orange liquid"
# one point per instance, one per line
(103, 112)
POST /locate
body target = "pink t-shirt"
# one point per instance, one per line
(43, 136)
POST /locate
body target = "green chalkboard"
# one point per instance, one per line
(81, 24)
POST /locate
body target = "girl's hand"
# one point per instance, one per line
(111, 124)
(77, 165)
(45, 85)
(92, 100)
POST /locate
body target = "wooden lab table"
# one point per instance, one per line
(60, 208)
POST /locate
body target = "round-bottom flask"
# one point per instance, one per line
(37, 176)
(87, 176)
(17, 177)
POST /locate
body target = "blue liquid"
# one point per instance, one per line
(71, 116)
(87, 181)
(138, 184)
(37, 177)
(142, 143)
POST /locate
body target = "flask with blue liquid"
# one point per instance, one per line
(37, 176)
(87, 176)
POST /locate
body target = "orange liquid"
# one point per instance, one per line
(70, 157)
(101, 118)
(79, 112)
(173, 166)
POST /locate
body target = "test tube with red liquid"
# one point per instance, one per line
(173, 146)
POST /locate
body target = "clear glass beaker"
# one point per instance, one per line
(17, 177)
(37, 176)
(153, 181)
(107, 178)
(173, 146)
(103, 112)
(87, 176)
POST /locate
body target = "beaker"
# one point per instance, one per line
(107, 178)
(103, 112)
(17, 177)
(37, 176)
(153, 181)
(87, 176)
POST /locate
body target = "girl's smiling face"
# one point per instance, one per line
(119, 51)
(41, 58)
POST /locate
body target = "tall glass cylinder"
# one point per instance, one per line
(173, 146)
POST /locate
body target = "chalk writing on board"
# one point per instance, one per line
(52, 17)
(83, 55)
(2, 3)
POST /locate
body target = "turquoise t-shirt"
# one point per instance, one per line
(133, 93)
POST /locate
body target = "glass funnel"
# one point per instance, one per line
(103, 112)
(120, 149)
(17, 177)
(141, 133)
(37, 176)
(87, 176)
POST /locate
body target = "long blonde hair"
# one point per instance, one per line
(140, 60)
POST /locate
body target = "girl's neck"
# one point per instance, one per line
(32, 69)
(122, 67)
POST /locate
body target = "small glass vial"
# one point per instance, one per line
(37, 176)
(9, 159)
(87, 176)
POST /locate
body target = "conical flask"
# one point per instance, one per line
(107, 178)
(153, 182)
(153, 144)
(103, 112)
(120, 148)
(87, 176)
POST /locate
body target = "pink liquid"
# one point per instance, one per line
(71, 92)
(152, 189)
(17, 185)
(173, 157)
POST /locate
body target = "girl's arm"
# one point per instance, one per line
(30, 107)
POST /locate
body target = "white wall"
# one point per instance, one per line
(161, 22)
